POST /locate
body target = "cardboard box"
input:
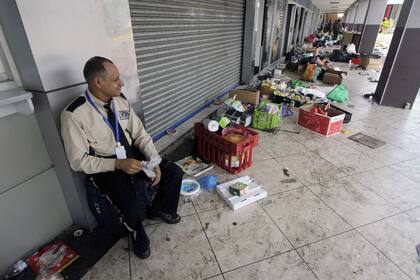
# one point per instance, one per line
(246, 96)
(313, 50)
(347, 38)
(370, 63)
(326, 125)
(332, 78)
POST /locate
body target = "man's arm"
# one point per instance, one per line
(77, 147)
(141, 138)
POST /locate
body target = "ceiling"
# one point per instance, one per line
(333, 5)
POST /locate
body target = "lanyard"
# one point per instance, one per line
(116, 131)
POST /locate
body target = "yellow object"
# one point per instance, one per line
(346, 132)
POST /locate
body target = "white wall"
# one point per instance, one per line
(32, 206)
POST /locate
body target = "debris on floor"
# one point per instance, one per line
(367, 140)
(346, 132)
(321, 119)
(194, 166)
(247, 195)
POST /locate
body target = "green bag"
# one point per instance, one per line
(339, 94)
(297, 83)
(265, 121)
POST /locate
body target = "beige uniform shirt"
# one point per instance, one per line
(83, 129)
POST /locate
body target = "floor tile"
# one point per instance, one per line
(405, 141)
(387, 154)
(348, 160)
(185, 207)
(179, 251)
(303, 217)
(270, 174)
(259, 154)
(243, 236)
(310, 168)
(410, 168)
(208, 200)
(397, 238)
(415, 213)
(281, 145)
(353, 201)
(313, 141)
(218, 277)
(284, 267)
(113, 265)
(349, 256)
(393, 186)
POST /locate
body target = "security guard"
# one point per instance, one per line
(110, 151)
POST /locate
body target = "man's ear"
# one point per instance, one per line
(97, 81)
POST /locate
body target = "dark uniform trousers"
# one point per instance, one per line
(128, 194)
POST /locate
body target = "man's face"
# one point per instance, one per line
(111, 84)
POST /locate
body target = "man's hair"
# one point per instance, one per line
(95, 67)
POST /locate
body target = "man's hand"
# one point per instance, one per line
(129, 166)
(156, 180)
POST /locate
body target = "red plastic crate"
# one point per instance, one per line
(213, 147)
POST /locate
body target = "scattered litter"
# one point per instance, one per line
(367, 140)
(373, 80)
(206, 226)
(52, 258)
(208, 182)
(364, 73)
(351, 106)
(253, 193)
(234, 223)
(276, 130)
(288, 181)
(171, 131)
(194, 167)
(346, 132)
(368, 95)
(168, 238)
(189, 188)
(286, 172)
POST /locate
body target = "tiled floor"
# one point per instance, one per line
(344, 212)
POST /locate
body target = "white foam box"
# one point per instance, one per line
(255, 192)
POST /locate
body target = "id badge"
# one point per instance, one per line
(120, 152)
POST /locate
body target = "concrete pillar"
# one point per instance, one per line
(50, 41)
(399, 83)
(374, 18)
(360, 16)
(247, 67)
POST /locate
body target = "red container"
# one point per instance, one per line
(325, 125)
(233, 157)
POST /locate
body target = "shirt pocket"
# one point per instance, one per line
(101, 139)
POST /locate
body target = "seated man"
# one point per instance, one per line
(104, 138)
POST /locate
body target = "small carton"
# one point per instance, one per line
(238, 188)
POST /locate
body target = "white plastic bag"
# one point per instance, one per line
(351, 49)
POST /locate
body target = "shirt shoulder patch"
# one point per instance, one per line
(79, 101)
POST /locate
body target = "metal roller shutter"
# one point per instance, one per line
(188, 52)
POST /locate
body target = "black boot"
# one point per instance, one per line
(141, 244)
